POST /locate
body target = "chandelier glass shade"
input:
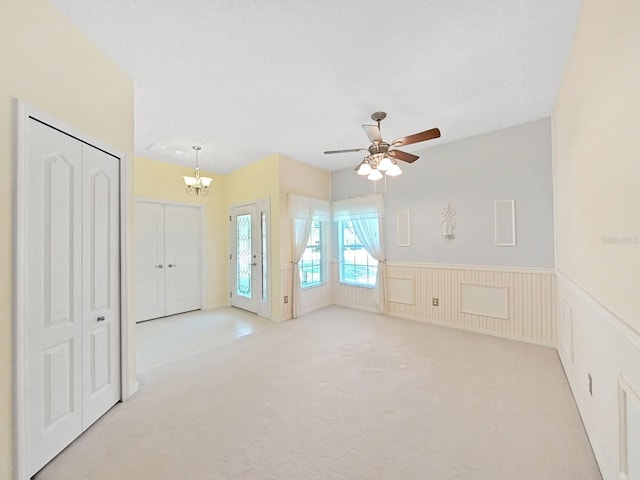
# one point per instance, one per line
(197, 185)
(376, 166)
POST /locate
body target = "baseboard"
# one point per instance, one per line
(491, 333)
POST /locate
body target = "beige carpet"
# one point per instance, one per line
(342, 394)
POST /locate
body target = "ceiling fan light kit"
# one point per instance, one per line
(382, 158)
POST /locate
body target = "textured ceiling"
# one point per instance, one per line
(249, 78)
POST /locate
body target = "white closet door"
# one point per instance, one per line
(183, 257)
(101, 296)
(150, 265)
(54, 279)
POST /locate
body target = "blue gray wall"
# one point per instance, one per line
(470, 174)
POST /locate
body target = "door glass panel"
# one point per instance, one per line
(243, 255)
(263, 223)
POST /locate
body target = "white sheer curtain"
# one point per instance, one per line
(366, 214)
(303, 211)
(369, 232)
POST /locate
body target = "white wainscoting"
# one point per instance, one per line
(348, 296)
(530, 299)
(312, 298)
(593, 342)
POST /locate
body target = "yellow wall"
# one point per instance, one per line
(50, 65)
(302, 179)
(258, 181)
(163, 181)
(597, 158)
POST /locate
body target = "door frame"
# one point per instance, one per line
(128, 381)
(263, 204)
(204, 278)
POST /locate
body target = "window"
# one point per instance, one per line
(357, 267)
(312, 262)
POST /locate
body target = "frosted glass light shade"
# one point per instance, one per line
(206, 181)
(375, 175)
(385, 164)
(394, 171)
(190, 181)
(364, 168)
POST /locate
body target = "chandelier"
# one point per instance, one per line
(377, 165)
(197, 184)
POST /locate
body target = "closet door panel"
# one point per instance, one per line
(150, 265)
(54, 280)
(183, 256)
(101, 306)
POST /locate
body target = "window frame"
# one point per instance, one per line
(371, 262)
(321, 248)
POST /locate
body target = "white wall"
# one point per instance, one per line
(596, 171)
(470, 174)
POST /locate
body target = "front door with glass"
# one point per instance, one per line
(249, 258)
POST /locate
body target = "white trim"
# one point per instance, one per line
(625, 391)
(488, 268)
(129, 382)
(20, 301)
(204, 271)
(128, 386)
(498, 220)
(160, 201)
(404, 217)
(620, 326)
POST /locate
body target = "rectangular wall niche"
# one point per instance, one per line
(485, 300)
(404, 228)
(505, 223)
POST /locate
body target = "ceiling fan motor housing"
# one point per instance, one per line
(381, 147)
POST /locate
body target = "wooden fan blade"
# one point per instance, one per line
(404, 156)
(373, 133)
(417, 137)
(344, 151)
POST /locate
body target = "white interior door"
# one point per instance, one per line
(183, 257)
(168, 259)
(71, 271)
(249, 258)
(54, 279)
(101, 283)
(150, 277)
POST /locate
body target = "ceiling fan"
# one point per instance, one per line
(383, 155)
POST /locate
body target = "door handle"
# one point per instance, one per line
(101, 318)
(254, 264)
(159, 266)
(171, 265)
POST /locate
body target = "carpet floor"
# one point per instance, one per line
(343, 394)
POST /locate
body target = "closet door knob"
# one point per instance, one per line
(101, 319)
(159, 266)
(171, 265)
